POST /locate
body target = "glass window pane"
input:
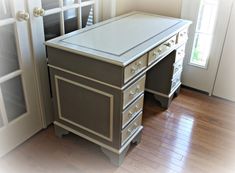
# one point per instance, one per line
(1, 120)
(71, 20)
(5, 9)
(201, 49)
(204, 33)
(51, 26)
(49, 4)
(69, 2)
(87, 16)
(13, 96)
(207, 16)
(8, 51)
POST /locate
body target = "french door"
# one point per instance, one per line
(19, 107)
(50, 19)
(206, 38)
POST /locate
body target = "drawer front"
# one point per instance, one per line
(131, 128)
(182, 36)
(180, 53)
(132, 92)
(132, 111)
(176, 81)
(178, 66)
(134, 68)
(158, 51)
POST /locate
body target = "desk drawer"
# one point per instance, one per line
(158, 51)
(182, 36)
(180, 53)
(134, 68)
(132, 92)
(131, 128)
(178, 66)
(176, 80)
(132, 111)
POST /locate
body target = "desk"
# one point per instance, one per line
(99, 75)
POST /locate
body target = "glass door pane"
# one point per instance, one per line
(71, 20)
(51, 26)
(5, 9)
(13, 96)
(1, 120)
(50, 4)
(87, 16)
(8, 51)
(69, 2)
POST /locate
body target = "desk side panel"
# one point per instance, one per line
(87, 107)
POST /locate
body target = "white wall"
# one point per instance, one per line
(125, 6)
(161, 7)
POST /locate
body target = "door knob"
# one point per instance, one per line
(38, 12)
(22, 16)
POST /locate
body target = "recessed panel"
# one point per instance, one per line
(119, 36)
(84, 107)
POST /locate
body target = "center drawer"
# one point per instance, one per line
(133, 91)
(131, 128)
(134, 68)
(161, 49)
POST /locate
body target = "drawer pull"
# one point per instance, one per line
(130, 114)
(139, 64)
(136, 91)
(133, 70)
(137, 107)
(130, 130)
(168, 44)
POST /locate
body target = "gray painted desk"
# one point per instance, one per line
(99, 75)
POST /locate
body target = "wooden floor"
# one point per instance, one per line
(195, 135)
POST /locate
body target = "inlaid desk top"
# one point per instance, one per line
(122, 39)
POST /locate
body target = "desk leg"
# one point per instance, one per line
(117, 159)
(59, 131)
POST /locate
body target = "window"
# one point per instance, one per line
(204, 33)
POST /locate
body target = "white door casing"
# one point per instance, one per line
(203, 78)
(19, 106)
(58, 10)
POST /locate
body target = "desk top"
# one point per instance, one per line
(122, 39)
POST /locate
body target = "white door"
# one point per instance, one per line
(225, 81)
(50, 19)
(19, 109)
(206, 37)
